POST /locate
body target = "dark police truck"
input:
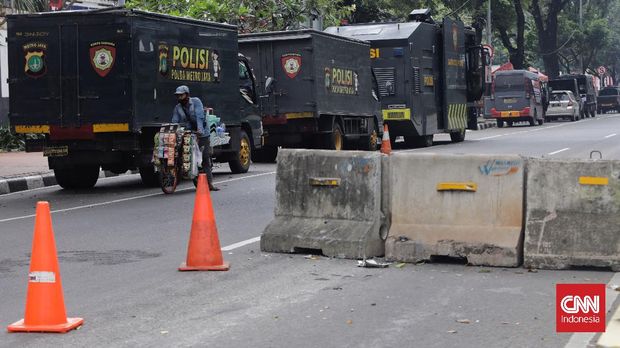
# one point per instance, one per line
(428, 74)
(582, 86)
(317, 91)
(99, 84)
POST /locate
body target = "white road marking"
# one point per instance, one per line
(582, 340)
(523, 132)
(240, 244)
(610, 135)
(556, 152)
(129, 198)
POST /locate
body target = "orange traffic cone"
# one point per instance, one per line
(386, 147)
(204, 252)
(45, 305)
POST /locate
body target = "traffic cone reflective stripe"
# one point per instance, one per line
(386, 146)
(45, 306)
(204, 252)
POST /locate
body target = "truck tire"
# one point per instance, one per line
(149, 177)
(241, 164)
(267, 154)
(79, 177)
(457, 137)
(335, 140)
(370, 142)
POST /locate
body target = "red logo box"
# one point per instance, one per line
(580, 307)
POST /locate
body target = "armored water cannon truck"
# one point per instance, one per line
(429, 75)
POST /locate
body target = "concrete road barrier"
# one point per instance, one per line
(328, 200)
(572, 214)
(456, 205)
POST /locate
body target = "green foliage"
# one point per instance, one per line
(10, 141)
(251, 16)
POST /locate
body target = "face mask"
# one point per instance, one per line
(183, 99)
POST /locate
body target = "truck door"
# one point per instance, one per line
(33, 54)
(454, 81)
(268, 102)
(103, 91)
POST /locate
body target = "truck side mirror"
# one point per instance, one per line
(269, 85)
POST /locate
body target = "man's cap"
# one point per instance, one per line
(182, 89)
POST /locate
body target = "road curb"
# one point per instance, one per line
(44, 180)
(486, 125)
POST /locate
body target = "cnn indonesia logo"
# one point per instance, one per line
(580, 307)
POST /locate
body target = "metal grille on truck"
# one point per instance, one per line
(386, 79)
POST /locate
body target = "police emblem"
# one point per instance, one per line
(34, 55)
(291, 63)
(102, 57)
(163, 59)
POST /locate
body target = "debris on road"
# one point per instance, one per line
(484, 271)
(311, 257)
(463, 321)
(452, 331)
(400, 265)
(372, 264)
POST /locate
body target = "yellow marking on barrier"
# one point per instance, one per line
(397, 114)
(297, 115)
(457, 186)
(110, 127)
(40, 129)
(593, 180)
(325, 182)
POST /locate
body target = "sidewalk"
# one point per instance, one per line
(21, 164)
(20, 171)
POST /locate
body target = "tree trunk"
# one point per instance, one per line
(547, 29)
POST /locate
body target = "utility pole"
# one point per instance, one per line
(581, 28)
(489, 33)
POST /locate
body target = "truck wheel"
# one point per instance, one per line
(267, 154)
(149, 177)
(457, 137)
(241, 164)
(500, 123)
(371, 141)
(335, 140)
(82, 177)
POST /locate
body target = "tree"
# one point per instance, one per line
(250, 16)
(546, 20)
(23, 6)
(507, 18)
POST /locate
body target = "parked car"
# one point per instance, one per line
(563, 104)
(608, 100)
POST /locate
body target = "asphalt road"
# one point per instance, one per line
(120, 245)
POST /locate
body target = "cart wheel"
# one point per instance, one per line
(168, 179)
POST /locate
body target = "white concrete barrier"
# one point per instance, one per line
(329, 201)
(573, 214)
(456, 205)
